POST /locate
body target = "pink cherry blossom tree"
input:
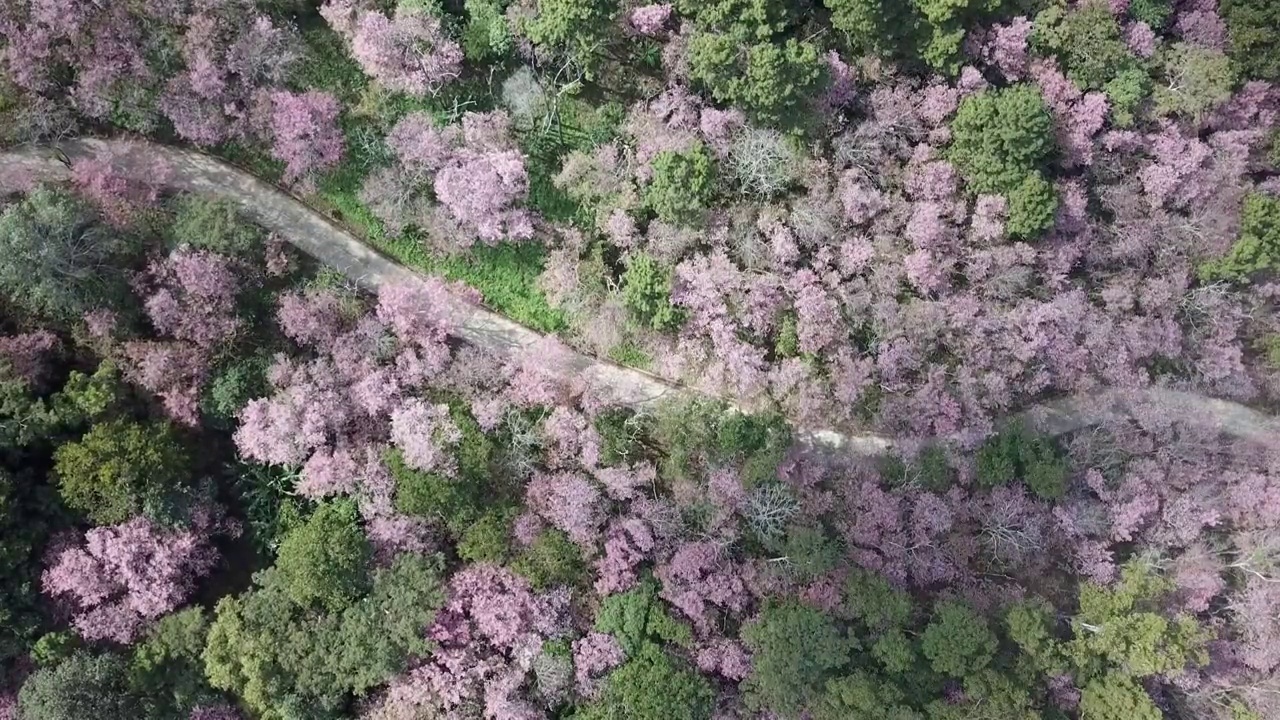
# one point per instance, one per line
(306, 135)
(126, 576)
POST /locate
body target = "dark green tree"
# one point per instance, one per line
(233, 386)
(486, 35)
(796, 650)
(83, 686)
(1116, 697)
(682, 186)
(701, 434)
(121, 468)
(652, 686)
(988, 694)
(577, 30)
(21, 530)
(1089, 43)
(286, 662)
(742, 52)
(624, 433)
(876, 604)
(646, 292)
(958, 641)
(1251, 27)
(167, 668)
(1258, 248)
(454, 502)
(808, 551)
(1120, 628)
(1017, 453)
(324, 563)
(1196, 80)
(638, 617)
(921, 32)
(864, 696)
(1155, 13)
(1001, 142)
(552, 559)
(488, 539)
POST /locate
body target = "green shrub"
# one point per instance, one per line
(1140, 640)
(1093, 47)
(787, 344)
(935, 471)
(1152, 12)
(215, 225)
(450, 501)
(1016, 453)
(553, 559)
(88, 398)
(1269, 346)
(683, 185)
(958, 641)
(646, 292)
(1257, 250)
(796, 650)
(119, 469)
(324, 563)
(652, 686)
(770, 80)
(271, 509)
(83, 686)
(1255, 46)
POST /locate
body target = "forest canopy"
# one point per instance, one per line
(1025, 249)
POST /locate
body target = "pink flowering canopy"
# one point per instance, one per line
(124, 577)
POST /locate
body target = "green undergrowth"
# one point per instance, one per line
(506, 275)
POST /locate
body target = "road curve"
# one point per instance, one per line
(318, 236)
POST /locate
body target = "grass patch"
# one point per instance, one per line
(631, 356)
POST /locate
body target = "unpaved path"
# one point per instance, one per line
(314, 234)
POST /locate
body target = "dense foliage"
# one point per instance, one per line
(233, 486)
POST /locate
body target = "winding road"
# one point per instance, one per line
(315, 234)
